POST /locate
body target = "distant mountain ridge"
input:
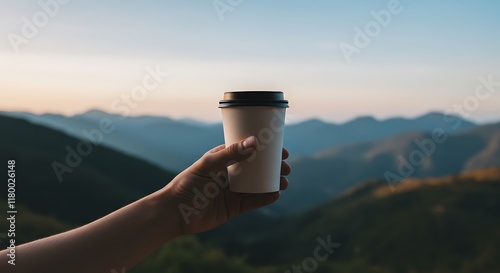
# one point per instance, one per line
(318, 177)
(167, 143)
(326, 135)
(355, 151)
(175, 144)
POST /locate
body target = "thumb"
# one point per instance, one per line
(219, 158)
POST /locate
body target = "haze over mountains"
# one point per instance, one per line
(327, 158)
(334, 170)
(170, 144)
(175, 144)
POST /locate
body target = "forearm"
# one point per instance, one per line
(120, 239)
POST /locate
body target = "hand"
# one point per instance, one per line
(199, 211)
(125, 237)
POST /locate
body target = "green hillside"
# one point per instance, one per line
(104, 181)
(446, 224)
(450, 224)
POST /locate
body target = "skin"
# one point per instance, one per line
(128, 235)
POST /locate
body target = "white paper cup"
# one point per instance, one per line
(260, 114)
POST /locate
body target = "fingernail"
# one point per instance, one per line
(249, 143)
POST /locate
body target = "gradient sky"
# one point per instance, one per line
(428, 58)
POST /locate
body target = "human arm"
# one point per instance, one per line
(128, 235)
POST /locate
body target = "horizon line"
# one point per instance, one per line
(290, 122)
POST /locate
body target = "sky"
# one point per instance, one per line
(335, 60)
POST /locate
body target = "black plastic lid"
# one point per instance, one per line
(253, 98)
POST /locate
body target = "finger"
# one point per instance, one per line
(218, 148)
(285, 154)
(283, 183)
(285, 168)
(219, 158)
(255, 201)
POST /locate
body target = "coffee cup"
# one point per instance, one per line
(260, 114)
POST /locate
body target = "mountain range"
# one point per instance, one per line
(318, 177)
(167, 143)
(329, 157)
(447, 224)
(175, 144)
(103, 181)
